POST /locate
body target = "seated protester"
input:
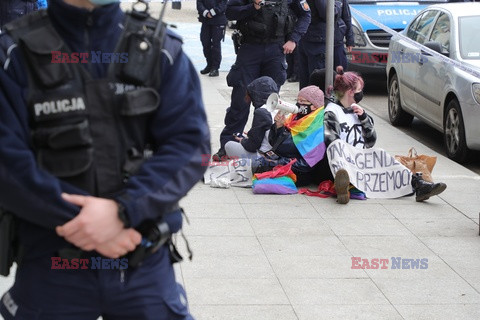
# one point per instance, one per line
(256, 142)
(348, 121)
(310, 101)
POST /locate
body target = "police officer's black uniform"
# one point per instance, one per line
(211, 13)
(127, 125)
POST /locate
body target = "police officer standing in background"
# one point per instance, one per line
(312, 46)
(91, 150)
(211, 13)
(270, 30)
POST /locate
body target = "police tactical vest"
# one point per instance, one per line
(92, 133)
(272, 23)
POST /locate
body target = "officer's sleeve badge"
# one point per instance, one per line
(304, 5)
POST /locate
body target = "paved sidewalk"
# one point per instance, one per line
(289, 257)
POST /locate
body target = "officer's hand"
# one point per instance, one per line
(126, 241)
(96, 223)
(289, 46)
(349, 48)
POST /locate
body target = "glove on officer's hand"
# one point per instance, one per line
(96, 223)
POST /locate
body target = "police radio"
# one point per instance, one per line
(274, 103)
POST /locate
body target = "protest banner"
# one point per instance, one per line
(373, 171)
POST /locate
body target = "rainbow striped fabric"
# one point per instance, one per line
(280, 185)
(308, 135)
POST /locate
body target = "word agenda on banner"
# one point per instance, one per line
(373, 171)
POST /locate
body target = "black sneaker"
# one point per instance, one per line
(206, 70)
(221, 155)
(213, 73)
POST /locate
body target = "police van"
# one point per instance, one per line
(369, 55)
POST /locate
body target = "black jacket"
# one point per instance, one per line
(343, 22)
(216, 8)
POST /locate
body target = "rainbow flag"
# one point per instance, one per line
(308, 136)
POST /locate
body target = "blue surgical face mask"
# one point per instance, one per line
(103, 2)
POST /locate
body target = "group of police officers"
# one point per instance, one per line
(269, 31)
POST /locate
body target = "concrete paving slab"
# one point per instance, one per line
(214, 210)
(371, 227)
(290, 227)
(407, 246)
(347, 312)
(303, 246)
(291, 210)
(365, 210)
(314, 267)
(332, 291)
(250, 312)
(236, 292)
(229, 267)
(428, 291)
(440, 311)
(219, 227)
(432, 227)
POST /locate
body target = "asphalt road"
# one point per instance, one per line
(376, 101)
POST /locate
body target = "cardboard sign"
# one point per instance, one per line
(238, 172)
(373, 171)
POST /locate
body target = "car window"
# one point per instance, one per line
(413, 26)
(469, 29)
(419, 30)
(441, 32)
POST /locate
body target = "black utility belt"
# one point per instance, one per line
(260, 41)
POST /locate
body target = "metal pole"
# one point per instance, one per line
(329, 43)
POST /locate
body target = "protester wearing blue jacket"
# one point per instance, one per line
(53, 168)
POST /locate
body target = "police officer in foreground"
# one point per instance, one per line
(270, 30)
(92, 152)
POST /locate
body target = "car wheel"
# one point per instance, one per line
(454, 132)
(398, 117)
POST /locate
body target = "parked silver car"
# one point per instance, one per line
(436, 91)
